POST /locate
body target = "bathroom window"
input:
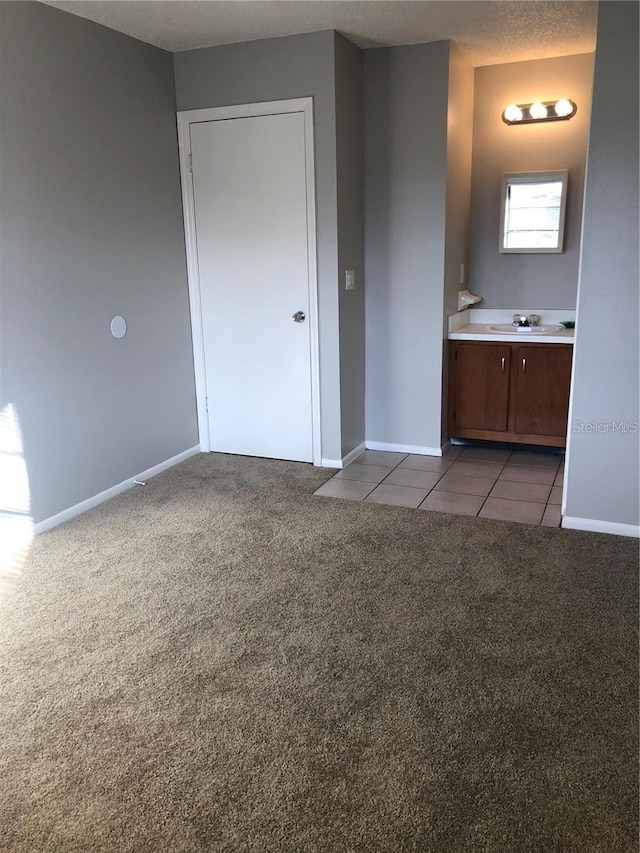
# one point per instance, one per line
(532, 212)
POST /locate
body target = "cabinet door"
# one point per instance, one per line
(482, 386)
(542, 376)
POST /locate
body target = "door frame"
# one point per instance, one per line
(185, 119)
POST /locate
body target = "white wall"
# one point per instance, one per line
(603, 462)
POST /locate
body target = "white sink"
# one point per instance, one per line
(509, 328)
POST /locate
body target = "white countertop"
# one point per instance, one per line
(482, 332)
(474, 324)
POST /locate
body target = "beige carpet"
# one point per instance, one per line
(222, 662)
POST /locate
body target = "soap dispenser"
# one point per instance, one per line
(466, 299)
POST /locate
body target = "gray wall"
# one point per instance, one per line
(519, 281)
(91, 226)
(405, 199)
(271, 70)
(458, 205)
(459, 153)
(603, 467)
(350, 182)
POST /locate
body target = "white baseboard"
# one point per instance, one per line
(348, 459)
(83, 506)
(404, 448)
(595, 526)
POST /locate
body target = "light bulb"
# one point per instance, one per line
(564, 108)
(538, 110)
(512, 113)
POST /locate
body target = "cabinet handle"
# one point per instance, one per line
(524, 365)
(503, 362)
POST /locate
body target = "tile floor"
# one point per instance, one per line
(511, 485)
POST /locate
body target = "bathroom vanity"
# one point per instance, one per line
(509, 386)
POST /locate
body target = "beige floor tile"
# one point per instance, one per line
(535, 460)
(379, 457)
(520, 491)
(559, 480)
(411, 477)
(552, 516)
(453, 451)
(366, 473)
(523, 474)
(465, 485)
(397, 496)
(437, 464)
(485, 454)
(476, 469)
(455, 503)
(524, 512)
(349, 490)
(555, 497)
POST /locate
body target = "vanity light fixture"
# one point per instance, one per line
(539, 111)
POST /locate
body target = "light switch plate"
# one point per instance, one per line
(350, 280)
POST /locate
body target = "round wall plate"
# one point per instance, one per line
(118, 327)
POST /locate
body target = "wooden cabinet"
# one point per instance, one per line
(509, 392)
(482, 389)
(541, 380)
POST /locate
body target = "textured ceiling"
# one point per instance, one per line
(486, 32)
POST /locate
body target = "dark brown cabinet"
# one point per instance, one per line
(509, 392)
(482, 389)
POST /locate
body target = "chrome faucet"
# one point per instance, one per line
(522, 321)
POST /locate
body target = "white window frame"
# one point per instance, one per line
(533, 178)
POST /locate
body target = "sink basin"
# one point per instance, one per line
(510, 329)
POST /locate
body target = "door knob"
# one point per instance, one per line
(299, 316)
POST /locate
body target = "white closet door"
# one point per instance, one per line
(249, 182)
